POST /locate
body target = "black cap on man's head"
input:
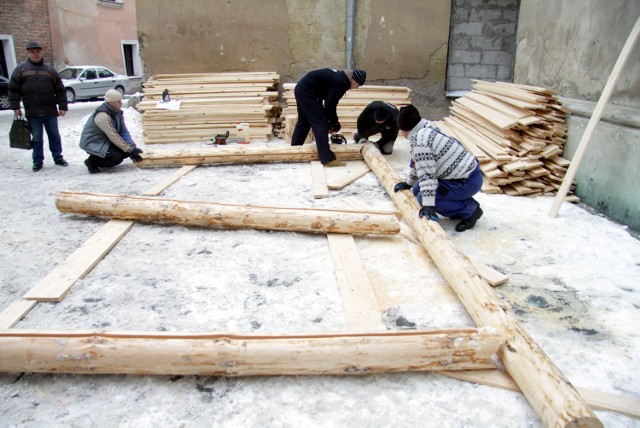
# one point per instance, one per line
(33, 45)
(380, 115)
(408, 117)
(359, 76)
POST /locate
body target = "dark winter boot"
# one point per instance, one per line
(92, 168)
(470, 222)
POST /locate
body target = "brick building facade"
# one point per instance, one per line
(22, 21)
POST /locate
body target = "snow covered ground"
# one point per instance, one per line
(574, 284)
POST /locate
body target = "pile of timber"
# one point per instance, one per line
(349, 107)
(517, 132)
(210, 104)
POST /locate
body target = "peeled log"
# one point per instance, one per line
(245, 154)
(245, 355)
(209, 214)
(551, 395)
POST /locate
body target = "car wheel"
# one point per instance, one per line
(120, 89)
(4, 102)
(71, 96)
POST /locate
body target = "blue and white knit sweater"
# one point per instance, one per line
(435, 155)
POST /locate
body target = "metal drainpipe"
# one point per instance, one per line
(351, 17)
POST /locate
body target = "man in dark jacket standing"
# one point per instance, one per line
(317, 96)
(106, 137)
(40, 89)
(379, 117)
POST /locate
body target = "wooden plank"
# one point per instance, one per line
(595, 119)
(347, 175)
(164, 184)
(499, 119)
(15, 312)
(318, 180)
(492, 276)
(624, 405)
(466, 142)
(360, 305)
(501, 106)
(56, 285)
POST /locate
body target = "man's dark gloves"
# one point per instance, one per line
(335, 127)
(401, 186)
(135, 155)
(430, 212)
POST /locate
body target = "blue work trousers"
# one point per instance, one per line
(50, 124)
(454, 198)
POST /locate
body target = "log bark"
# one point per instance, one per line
(245, 355)
(245, 154)
(209, 214)
(551, 395)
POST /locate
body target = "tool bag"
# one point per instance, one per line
(20, 134)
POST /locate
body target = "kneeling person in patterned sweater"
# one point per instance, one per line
(444, 175)
(106, 137)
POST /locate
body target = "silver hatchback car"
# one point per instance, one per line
(91, 81)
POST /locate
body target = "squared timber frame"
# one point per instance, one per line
(551, 395)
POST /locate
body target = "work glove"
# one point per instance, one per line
(335, 127)
(358, 139)
(430, 212)
(401, 186)
(135, 155)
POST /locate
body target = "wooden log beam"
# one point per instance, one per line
(245, 154)
(551, 395)
(211, 354)
(209, 214)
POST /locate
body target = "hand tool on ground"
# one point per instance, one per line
(338, 139)
(222, 139)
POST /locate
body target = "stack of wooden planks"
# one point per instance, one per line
(517, 132)
(210, 104)
(349, 107)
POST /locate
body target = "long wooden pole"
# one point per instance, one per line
(595, 119)
(551, 395)
(245, 355)
(209, 214)
(244, 154)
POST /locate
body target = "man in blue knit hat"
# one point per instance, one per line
(444, 175)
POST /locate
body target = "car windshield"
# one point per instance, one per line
(70, 73)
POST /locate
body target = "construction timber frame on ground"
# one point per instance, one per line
(365, 348)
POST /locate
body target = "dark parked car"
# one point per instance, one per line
(4, 93)
(91, 81)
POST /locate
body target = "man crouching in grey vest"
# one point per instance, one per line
(106, 137)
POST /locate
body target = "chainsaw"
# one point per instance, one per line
(338, 139)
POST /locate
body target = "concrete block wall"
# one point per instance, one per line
(482, 42)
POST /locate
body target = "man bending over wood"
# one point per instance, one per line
(379, 117)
